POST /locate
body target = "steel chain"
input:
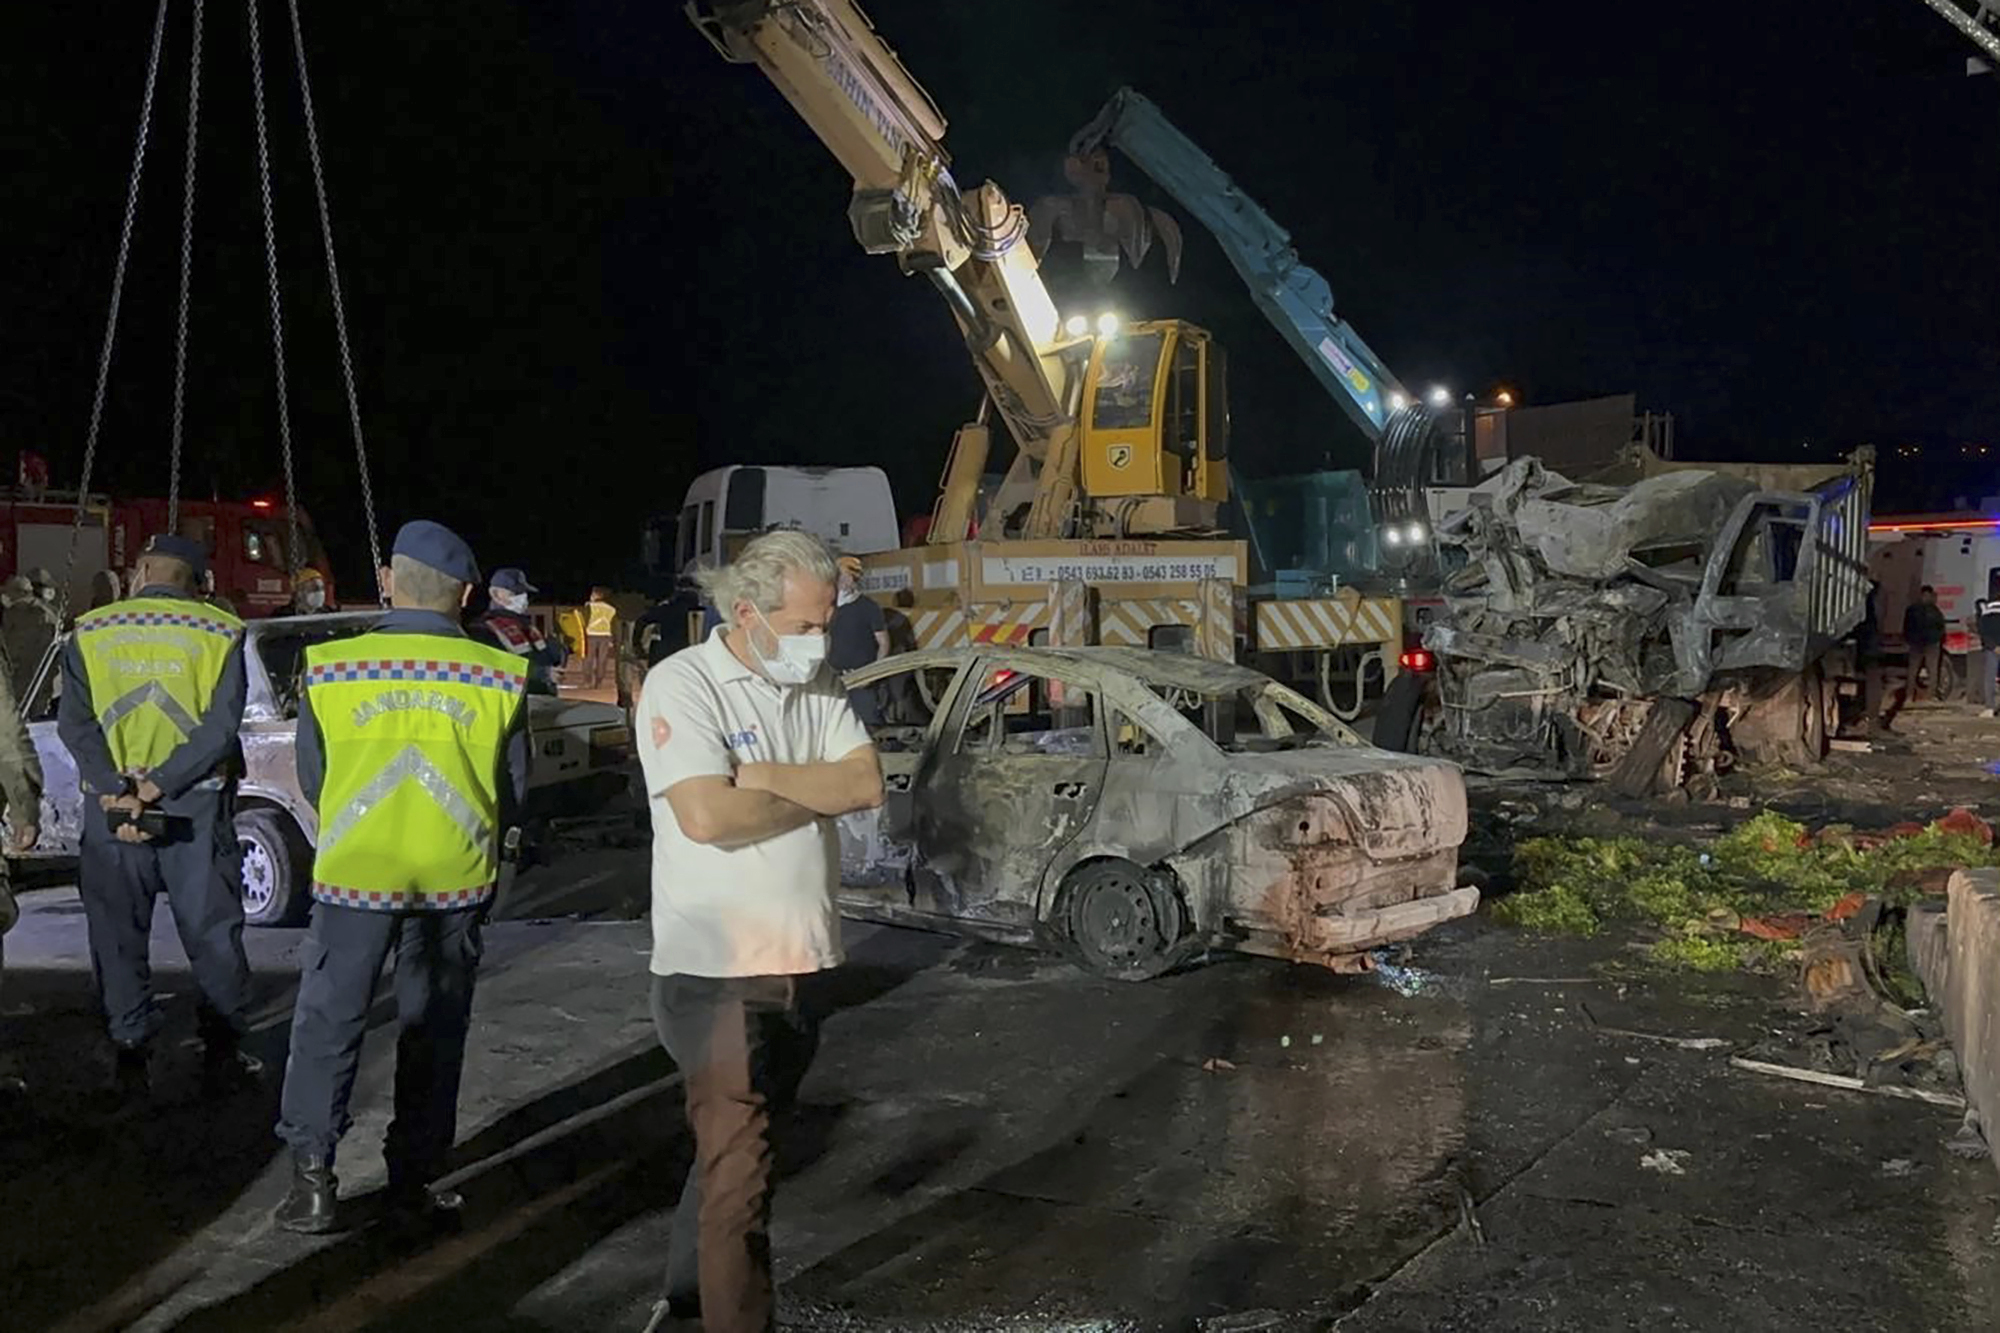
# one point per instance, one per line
(187, 276)
(111, 319)
(271, 268)
(333, 285)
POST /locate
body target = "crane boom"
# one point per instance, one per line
(1292, 295)
(1977, 19)
(848, 85)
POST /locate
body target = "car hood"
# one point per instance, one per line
(1395, 805)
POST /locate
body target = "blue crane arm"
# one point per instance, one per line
(1293, 296)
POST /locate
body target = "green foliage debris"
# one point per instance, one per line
(1769, 865)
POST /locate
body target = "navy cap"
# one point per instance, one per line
(511, 579)
(438, 546)
(184, 549)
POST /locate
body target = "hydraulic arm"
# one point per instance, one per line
(1121, 431)
(1292, 295)
(848, 85)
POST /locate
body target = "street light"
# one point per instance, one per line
(1397, 402)
(1504, 398)
(1440, 396)
(1076, 326)
(1107, 325)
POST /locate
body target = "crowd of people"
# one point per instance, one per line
(412, 747)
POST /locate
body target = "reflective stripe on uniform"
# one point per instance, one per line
(152, 692)
(152, 665)
(413, 728)
(409, 766)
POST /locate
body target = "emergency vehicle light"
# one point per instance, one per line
(1418, 659)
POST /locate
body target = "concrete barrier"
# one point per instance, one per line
(1957, 953)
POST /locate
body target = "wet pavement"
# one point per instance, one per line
(1514, 1135)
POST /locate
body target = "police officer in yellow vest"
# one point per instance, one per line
(412, 744)
(152, 698)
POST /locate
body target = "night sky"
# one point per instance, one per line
(585, 259)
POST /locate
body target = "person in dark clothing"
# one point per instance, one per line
(858, 635)
(1868, 657)
(507, 625)
(152, 698)
(663, 630)
(1923, 631)
(1989, 649)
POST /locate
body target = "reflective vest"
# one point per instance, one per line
(153, 664)
(413, 726)
(601, 616)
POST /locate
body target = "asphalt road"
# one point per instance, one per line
(993, 1140)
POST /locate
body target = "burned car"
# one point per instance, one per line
(1139, 807)
(582, 756)
(1649, 631)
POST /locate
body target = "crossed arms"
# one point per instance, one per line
(763, 800)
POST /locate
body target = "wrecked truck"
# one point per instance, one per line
(1135, 808)
(1650, 628)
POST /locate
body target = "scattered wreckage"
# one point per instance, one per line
(582, 755)
(1140, 807)
(1650, 633)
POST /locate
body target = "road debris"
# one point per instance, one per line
(1665, 1039)
(1218, 1065)
(1746, 899)
(1847, 1082)
(1667, 1161)
(1970, 1141)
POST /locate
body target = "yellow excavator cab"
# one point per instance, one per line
(1155, 417)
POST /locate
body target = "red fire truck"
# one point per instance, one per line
(246, 541)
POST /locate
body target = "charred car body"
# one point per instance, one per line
(1650, 631)
(1139, 807)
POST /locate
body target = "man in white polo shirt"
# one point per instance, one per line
(750, 751)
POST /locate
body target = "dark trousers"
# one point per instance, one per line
(1927, 658)
(200, 871)
(597, 660)
(743, 1045)
(437, 959)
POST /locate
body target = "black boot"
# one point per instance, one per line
(131, 1076)
(309, 1207)
(414, 1204)
(227, 1069)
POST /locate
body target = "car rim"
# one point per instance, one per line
(1118, 921)
(260, 875)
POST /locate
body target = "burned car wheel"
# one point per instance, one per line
(275, 863)
(1121, 921)
(1399, 717)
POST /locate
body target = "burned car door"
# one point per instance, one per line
(1018, 770)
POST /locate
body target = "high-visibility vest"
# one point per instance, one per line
(601, 616)
(412, 727)
(153, 664)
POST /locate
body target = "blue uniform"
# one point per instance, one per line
(199, 869)
(437, 959)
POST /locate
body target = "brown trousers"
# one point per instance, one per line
(743, 1045)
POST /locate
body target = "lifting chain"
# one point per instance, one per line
(187, 276)
(117, 298)
(292, 560)
(333, 285)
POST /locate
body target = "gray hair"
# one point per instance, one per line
(757, 574)
(416, 584)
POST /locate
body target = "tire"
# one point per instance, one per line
(1398, 718)
(1121, 921)
(277, 864)
(1638, 773)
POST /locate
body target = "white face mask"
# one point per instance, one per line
(509, 601)
(315, 598)
(848, 593)
(798, 659)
